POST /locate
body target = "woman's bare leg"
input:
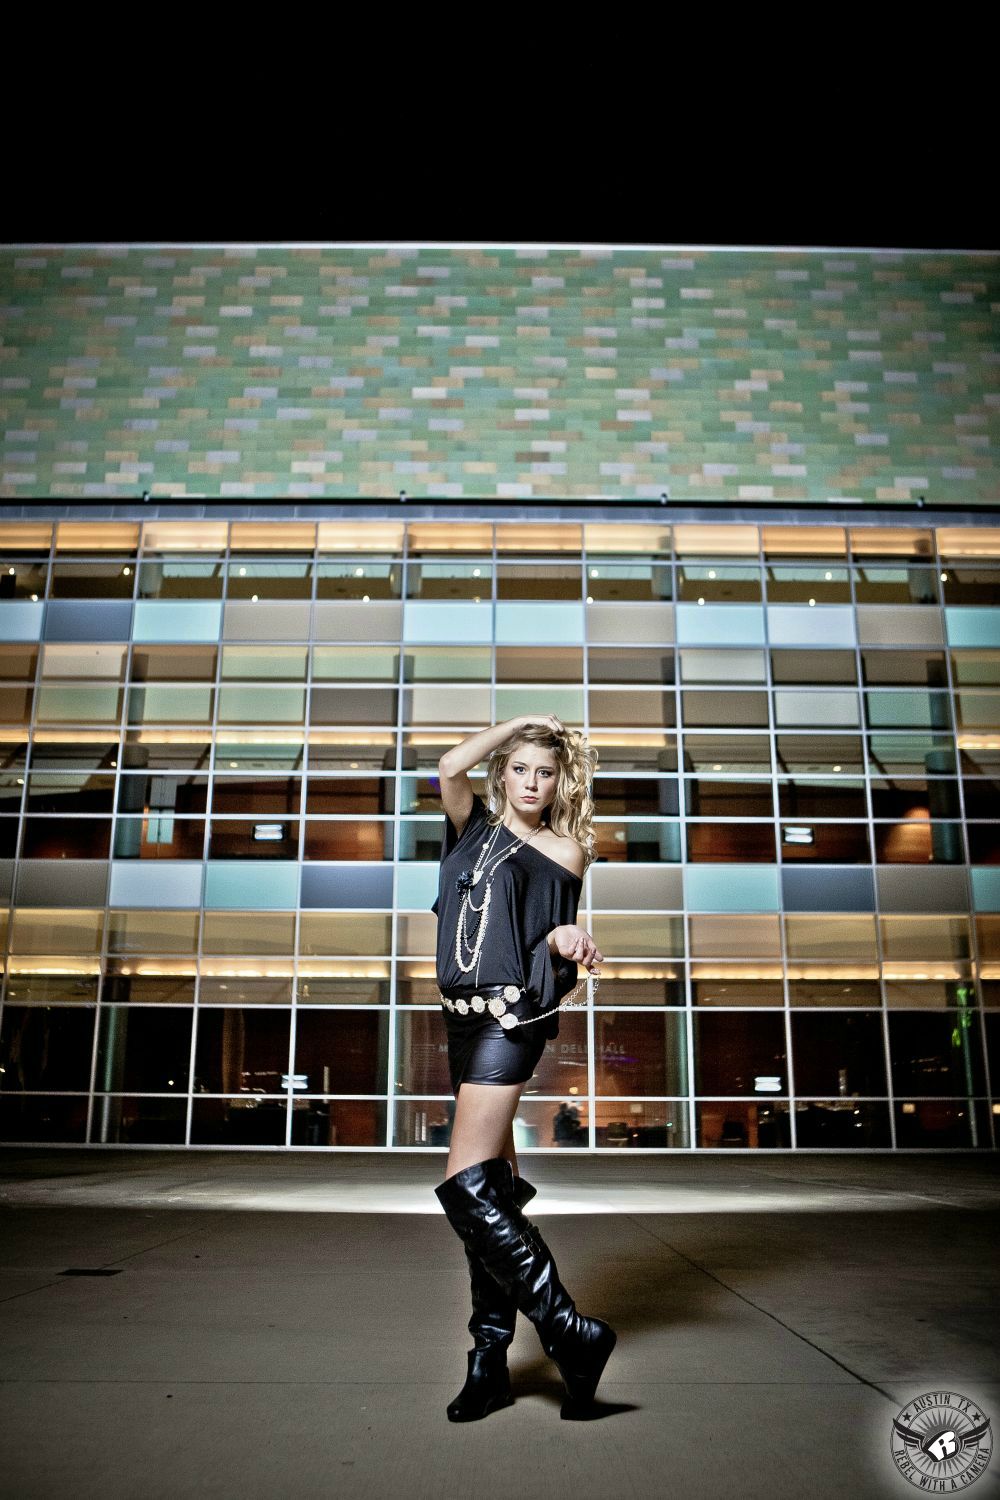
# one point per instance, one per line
(509, 1152)
(484, 1124)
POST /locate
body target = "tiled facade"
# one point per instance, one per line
(499, 374)
(219, 824)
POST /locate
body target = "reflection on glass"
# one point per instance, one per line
(734, 1124)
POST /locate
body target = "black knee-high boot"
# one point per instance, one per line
(494, 1315)
(480, 1207)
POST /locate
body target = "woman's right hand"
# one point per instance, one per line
(549, 721)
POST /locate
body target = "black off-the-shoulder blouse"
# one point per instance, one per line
(530, 895)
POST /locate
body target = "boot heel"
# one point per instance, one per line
(583, 1369)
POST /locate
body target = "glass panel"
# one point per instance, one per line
(797, 585)
(343, 1051)
(249, 577)
(76, 705)
(241, 838)
(937, 1124)
(362, 578)
(971, 583)
(357, 985)
(242, 932)
(698, 584)
(374, 794)
(263, 704)
(732, 1123)
(839, 1054)
(171, 982)
(911, 754)
(630, 706)
(144, 1050)
(162, 795)
(604, 665)
(807, 709)
(979, 711)
(902, 710)
(159, 836)
(935, 1053)
(639, 1053)
(730, 843)
(839, 992)
(891, 541)
(739, 1052)
(804, 541)
(822, 798)
(241, 1050)
(141, 1121)
(969, 668)
(46, 1047)
(274, 661)
(652, 795)
(257, 794)
(338, 1122)
(70, 792)
(532, 581)
(61, 838)
(805, 754)
(638, 580)
(345, 932)
(170, 703)
(342, 838)
(453, 578)
(921, 667)
(93, 580)
(984, 844)
(722, 666)
(982, 797)
(735, 937)
(839, 1124)
(733, 985)
(919, 798)
(22, 580)
(381, 663)
(841, 939)
(727, 799)
(151, 749)
(66, 659)
(741, 754)
(740, 709)
(925, 938)
(918, 842)
(895, 585)
(642, 842)
(813, 666)
(826, 843)
(19, 663)
(176, 578)
(153, 931)
(243, 1121)
(43, 1117)
(639, 936)
(641, 984)
(648, 1123)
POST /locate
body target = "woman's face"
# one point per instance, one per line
(530, 778)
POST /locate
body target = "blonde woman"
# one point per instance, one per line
(508, 947)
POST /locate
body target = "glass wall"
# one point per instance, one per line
(220, 826)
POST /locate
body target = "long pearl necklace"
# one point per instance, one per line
(467, 880)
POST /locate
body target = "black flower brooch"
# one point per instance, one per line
(465, 881)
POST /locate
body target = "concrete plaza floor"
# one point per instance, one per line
(287, 1324)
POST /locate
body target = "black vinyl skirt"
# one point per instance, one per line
(480, 1051)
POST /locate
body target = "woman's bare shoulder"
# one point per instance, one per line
(566, 852)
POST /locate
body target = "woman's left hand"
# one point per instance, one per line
(576, 944)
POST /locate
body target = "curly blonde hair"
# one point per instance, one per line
(571, 812)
